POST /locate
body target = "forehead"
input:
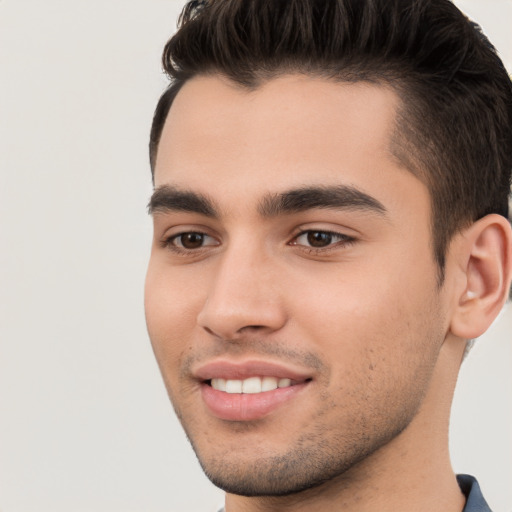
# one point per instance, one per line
(220, 138)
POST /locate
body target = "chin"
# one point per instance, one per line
(312, 463)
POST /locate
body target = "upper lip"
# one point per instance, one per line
(224, 369)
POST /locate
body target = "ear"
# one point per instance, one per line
(484, 254)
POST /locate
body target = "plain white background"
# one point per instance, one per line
(85, 424)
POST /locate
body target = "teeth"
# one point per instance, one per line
(233, 386)
(268, 383)
(219, 384)
(251, 385)
(284, 383)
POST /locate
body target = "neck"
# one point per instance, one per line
(411, 472)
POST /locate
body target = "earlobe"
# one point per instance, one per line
(486, 256)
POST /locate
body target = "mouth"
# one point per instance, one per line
(251, 385)
(249, 391)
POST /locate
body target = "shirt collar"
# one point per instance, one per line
(475, 502)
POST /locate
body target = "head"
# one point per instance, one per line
(331, 192)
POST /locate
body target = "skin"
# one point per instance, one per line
(363, 316)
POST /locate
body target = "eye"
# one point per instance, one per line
(318, 239)
(190, 241)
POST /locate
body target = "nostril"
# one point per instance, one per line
(231, 320)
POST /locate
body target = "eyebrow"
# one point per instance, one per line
(324, 197)
(168, 199)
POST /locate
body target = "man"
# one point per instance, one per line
(330, 228)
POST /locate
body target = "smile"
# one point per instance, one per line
(251, 385)
(249, 390)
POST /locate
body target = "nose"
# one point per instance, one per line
(243, 297)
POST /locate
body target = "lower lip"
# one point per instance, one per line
(247, 407)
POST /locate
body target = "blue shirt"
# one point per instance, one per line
(475, 502)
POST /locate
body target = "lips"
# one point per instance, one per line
(248, 391)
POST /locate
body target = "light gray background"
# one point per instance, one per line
(85, 423)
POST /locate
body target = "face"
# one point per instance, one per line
(291, 295)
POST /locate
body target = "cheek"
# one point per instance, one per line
(171, 315)
(367, 322)
(381, 347)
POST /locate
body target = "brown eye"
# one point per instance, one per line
(191, 240)
(319, 238)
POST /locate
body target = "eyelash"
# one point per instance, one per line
(169, 243)
(342, 241)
